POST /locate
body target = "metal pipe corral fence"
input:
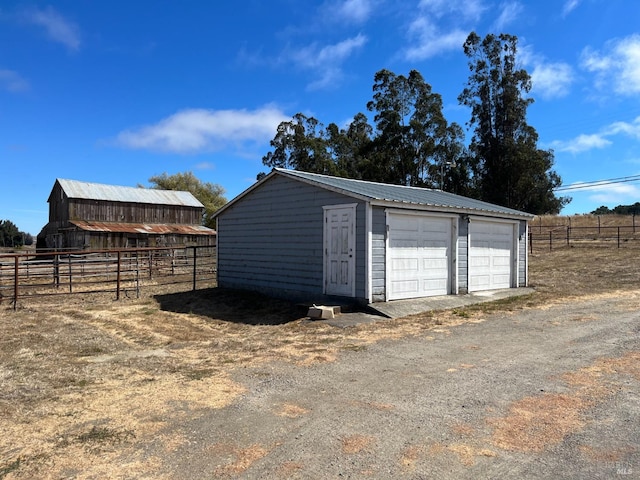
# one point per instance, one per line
(123, 271)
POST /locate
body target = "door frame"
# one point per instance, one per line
(327, 209)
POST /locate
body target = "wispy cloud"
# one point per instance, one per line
(509, 13)
(569, 6)
(583, 142)
(351, 11)
(12, 81)
(468, 9)
(617, 66)
(57, 28)
(201, 130)
(325, 61)
(441, 26)
(618, 193)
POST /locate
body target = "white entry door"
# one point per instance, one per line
(491, 253)
(339, 250)
(419, 256)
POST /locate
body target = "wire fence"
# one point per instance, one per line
(563, 236)
(25, 276)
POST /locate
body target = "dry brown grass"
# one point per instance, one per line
(353, 444)
(536, 423)
(549, 221)
(88, 382)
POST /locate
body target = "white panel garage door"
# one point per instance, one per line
(490, 255)
(419, 256)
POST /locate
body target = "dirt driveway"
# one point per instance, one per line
(541, 393)
(211, 384)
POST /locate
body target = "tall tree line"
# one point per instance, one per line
(411, 143)
(10, 236)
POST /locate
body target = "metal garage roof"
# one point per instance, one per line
(114, 193)
(384, 192)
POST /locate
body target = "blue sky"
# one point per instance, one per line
(116, 92)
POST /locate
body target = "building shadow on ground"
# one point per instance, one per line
(237, 306)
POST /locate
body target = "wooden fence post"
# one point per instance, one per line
(56, 270)
(15, 283)
(118, 277)
(618, 237)
(70, 278)
(550, 240)
(194, 268)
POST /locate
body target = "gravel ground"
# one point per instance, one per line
(550, 392)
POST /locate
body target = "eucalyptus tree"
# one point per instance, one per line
(300, 144)
(508, 167)
(413, 141)
(349, 146)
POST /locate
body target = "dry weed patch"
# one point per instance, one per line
(535, 423)
(353, 444)
(240, 458)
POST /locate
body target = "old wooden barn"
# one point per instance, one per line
(85, 215)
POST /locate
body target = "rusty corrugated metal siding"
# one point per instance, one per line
(157, 229)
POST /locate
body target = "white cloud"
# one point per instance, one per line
(584, 142)
(430, 41)
(548, 79)
(355, 11)
(326, 61)
(618, 193)
(199, 130)
(617, 66)
(57, 27)
(441, 26)
(631, 129)
(12, 81)
(509, 12)
(552, 80)
(467, 9)
(581, 143)
(569, 6)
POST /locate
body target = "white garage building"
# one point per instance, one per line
(308, 236)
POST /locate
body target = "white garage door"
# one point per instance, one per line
(490, 255)
(419, 256)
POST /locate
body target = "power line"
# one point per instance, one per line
(598, 183)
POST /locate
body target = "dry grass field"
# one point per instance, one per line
(87, 384)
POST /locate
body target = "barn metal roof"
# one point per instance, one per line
(114, 193)
(150, 228)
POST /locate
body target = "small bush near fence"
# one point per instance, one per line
(552, 232)
(121, 272)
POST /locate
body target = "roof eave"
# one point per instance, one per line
(451, 209)
(324, 186)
